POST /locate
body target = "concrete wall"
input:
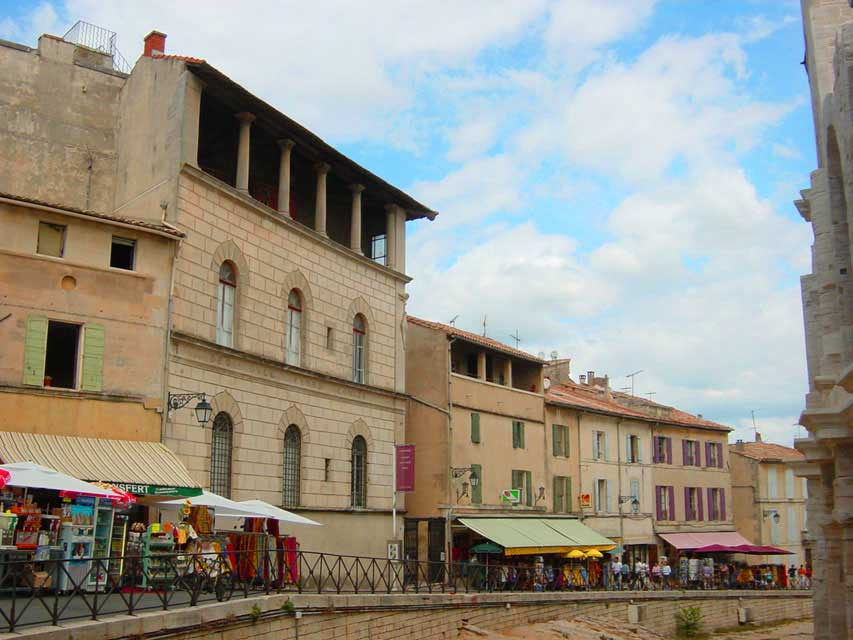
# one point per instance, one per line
(130, 305)
(57, 117)
(432, 617)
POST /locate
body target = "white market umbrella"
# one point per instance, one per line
(34, 476)
(220, 504)
(266, 510)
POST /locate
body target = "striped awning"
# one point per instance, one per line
(142, 468)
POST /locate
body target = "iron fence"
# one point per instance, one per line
(51, 592)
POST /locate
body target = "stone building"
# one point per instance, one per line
(652, 477)
(285, 300)
(768, 500)
(828, 315)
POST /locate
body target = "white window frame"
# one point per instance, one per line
(225, 307)
(295, 316)
(359, 338)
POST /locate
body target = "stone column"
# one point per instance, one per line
(322, 170)
(508, 372)
(286, 147)
(243, 149)
(355, 218)
(481, 365)
(842, 503)
(391, 236)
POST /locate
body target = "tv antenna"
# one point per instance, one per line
(650, 394)
(452, 323)
(754, 427)
(632, 376)
(484, 324)
(515, 337)
(554, 355)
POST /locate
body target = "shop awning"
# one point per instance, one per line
(523, 536)
(141, 468)
(688, 541)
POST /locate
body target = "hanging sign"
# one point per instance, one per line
(511, 496)
(585, 500)
(157, 490)
(405, 467)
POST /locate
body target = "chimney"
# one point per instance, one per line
(583, 379)
(155, 44)
(699, 415)
(739, 445)
(590, 377)
(757, 437)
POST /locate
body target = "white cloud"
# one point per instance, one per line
(786, 150)
(473, 138)
(41, 19)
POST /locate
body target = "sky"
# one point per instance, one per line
(614, 178)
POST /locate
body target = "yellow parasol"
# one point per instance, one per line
(594, 553)
(575, 554)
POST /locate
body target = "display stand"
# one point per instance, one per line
(117, 549)
(160, 565)
(102, 539)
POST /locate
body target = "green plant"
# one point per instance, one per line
(288, 607)
(688, 622)
(255, 613)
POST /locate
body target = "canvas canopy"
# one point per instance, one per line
(35, 476)
(524, 536)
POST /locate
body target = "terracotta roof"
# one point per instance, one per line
(766, 451)
(467, 336)
(163, 56)
(593, 398)
(143, 224)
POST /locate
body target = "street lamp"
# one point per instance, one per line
(773, 514)
(202, 410)
(473, 479)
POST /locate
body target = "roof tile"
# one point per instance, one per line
(762, 451)
(473, 337)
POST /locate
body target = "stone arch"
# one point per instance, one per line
(360, 428)
(297, 280)
(360, 307)
(229, 251)
(224, 402)
(293, 415)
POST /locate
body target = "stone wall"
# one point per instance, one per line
(426, 617)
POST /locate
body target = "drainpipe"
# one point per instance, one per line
(448, 516)
(619, 484)
(580, 465)
(168, 339)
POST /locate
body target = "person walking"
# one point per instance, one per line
(626, 575)
(616, 570)
(666, 573)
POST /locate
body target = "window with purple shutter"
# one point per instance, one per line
(685, 452)
(722, 504)
(670, 492)
(699, 504)
(708, 446)
(697, 453)
(712, 507)
(655, 448)
(688, 515)
(659, 503)
(669, 450)
(720, 460)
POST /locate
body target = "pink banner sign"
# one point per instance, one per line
(405, 467)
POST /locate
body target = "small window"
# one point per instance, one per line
(292, 463)
(60, 365)
(51, 241)
(517, 434)
(359, 333)
(330, 338)
(327, 469)
(560, 440)
(123, 253)
(632, 453)
(378, 250)
(358, 479)
(599, 445)
(293, 350)
(225, 308)
(601, 501)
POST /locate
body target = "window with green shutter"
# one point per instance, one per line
(35, 347)
(528, 486)
(560, 440)
(475, 427)
(477, 491)
(92, 378)
(562, 494)
(517, 434)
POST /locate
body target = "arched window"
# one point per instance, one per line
(220, 454)
(290, 470)
(293, 346)
(225, 308)
(359, 472)
(359, 336)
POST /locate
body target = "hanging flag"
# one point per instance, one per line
(405, 467)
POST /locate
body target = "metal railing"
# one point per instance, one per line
(91, 588)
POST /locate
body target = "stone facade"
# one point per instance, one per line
(828, 315)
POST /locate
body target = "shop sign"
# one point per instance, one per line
(157, 490)
(585, 501)
(512, 496)
(405, 467)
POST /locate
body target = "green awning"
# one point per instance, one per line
(523, 536)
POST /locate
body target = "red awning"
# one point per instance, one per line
(690, 541)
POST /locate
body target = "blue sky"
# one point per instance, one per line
(615, 177)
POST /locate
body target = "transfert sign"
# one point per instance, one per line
(157, 490)
(405, 467)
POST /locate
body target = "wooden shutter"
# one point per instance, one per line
(528, 481)
(639, 449)
(722, 515)
(609, 496)
(595, 496)
(720, 455)
(628, 449)
(659, 503)
(477, 492)
(568, 493)
(699, 501)
(92, 378)
(688, 513)
(606, 446)
(655, 449)
(35, 347)
(514, 435)
(595, 451)
(475, 427)
(684, 454)
(669, 450)
(708, 452)
(670, 492)
(712, 508)
(567, 447)
(697, 451)
(521, 434)
(556, 440)
(516, 479)
(558, 488)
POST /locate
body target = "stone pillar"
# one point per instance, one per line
(842, 512)
(508, 372)
(243, 150)
(286, 147)
(830, 616)
(355, 218)
(322, 170)
(391, 236)
(481, 365)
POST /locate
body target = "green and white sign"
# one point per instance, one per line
(158, 490)
(511, 496)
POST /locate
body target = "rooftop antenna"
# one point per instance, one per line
(754, 427)
(650, 394)
(624, 388)
(484, 324)
(514, 337)
(632, 376)
(452, 323)
(554, 355)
